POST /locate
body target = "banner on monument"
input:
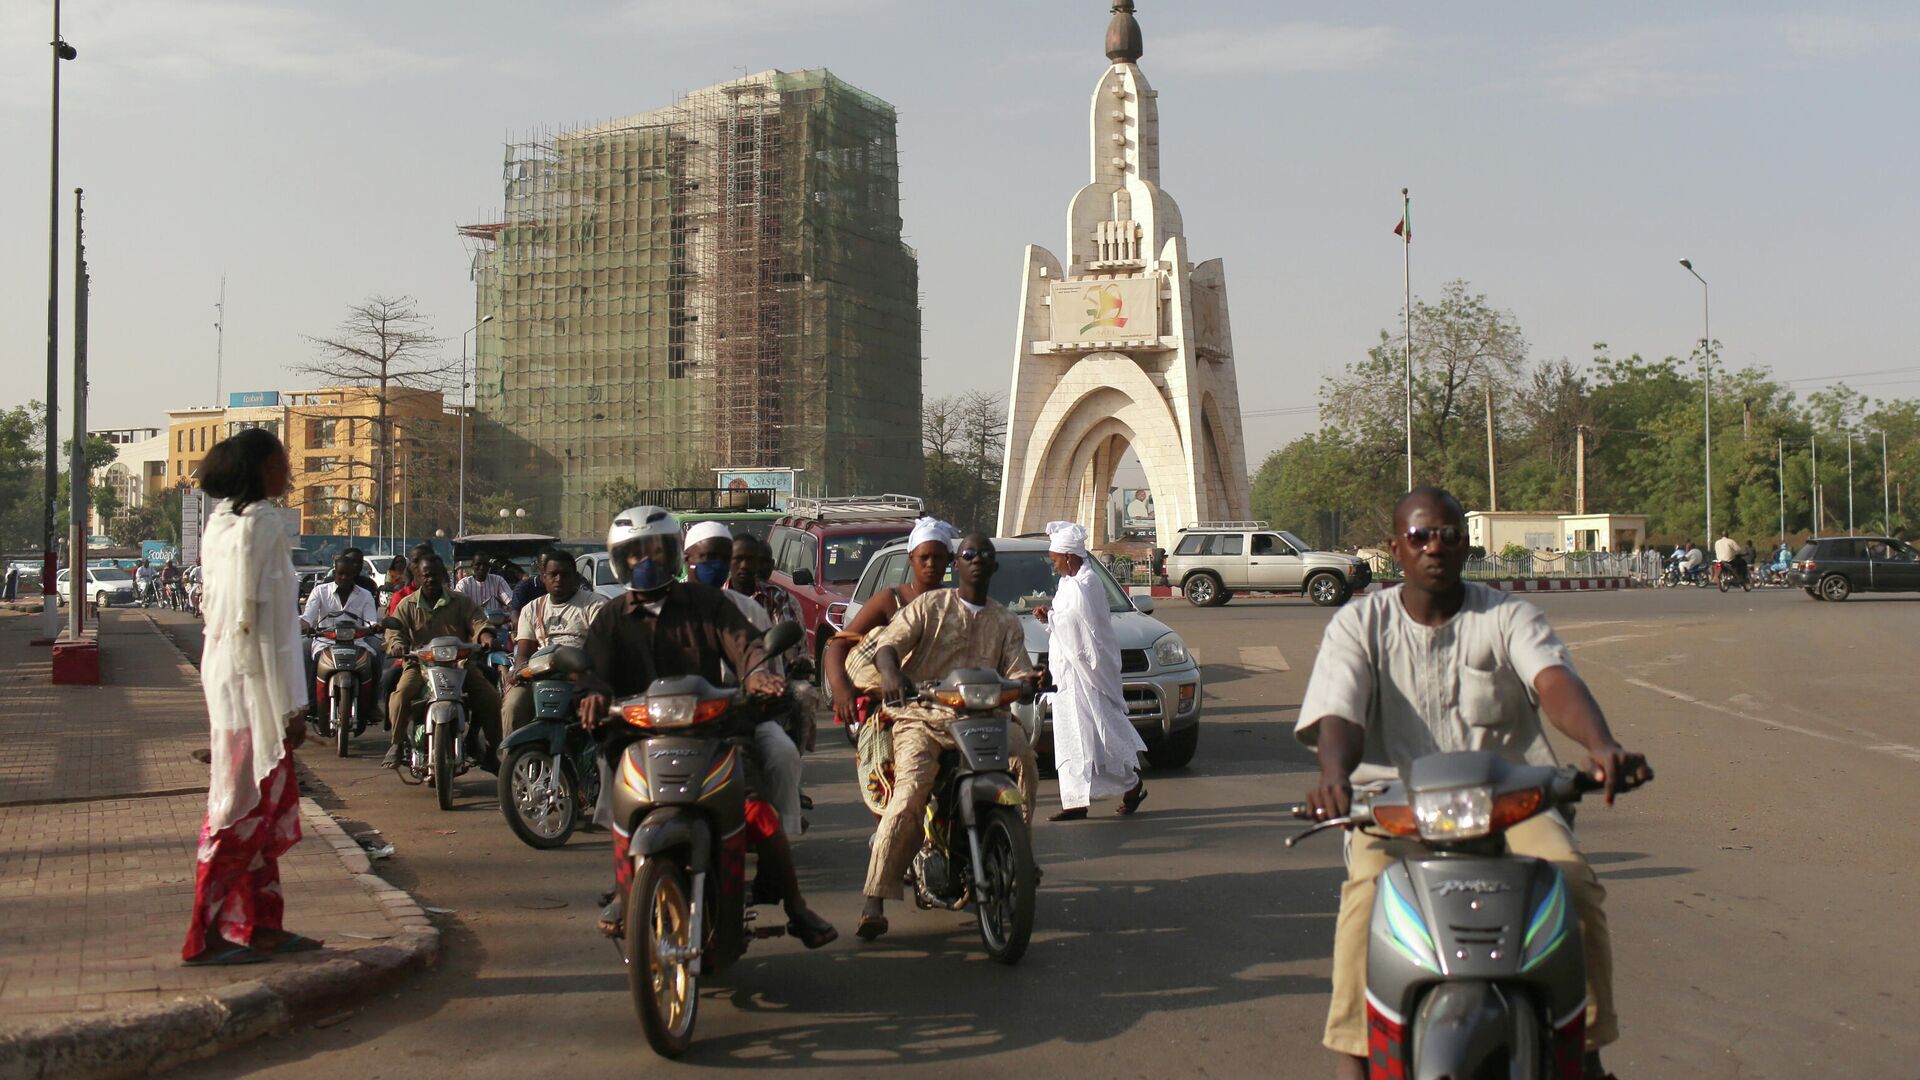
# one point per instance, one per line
(1110, 309)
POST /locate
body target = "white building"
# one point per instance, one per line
(1126, 347)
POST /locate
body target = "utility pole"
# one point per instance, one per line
(79, 477)
(1706, 386)
(1406, 280)
(49, 557)
(1780, 468)
(1886, 505)
(1580, 469)
(1813, 491)
(220, 340)
(1493, 490)
(1849, 483)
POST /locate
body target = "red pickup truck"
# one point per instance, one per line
(821, 548)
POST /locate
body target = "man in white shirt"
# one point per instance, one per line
(558, 616)
(1725, 551)
(484, 587)
(342, 595)
(1440, 664)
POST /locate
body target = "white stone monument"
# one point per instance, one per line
(1128, 347)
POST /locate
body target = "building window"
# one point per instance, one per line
(179, 442)
(323, 434)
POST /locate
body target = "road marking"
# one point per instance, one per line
(1608, 640)
(1893, 750)
(1263, 658)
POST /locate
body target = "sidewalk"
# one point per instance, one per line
(100, 809)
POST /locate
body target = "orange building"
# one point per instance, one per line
(190, 434)
(333, 438)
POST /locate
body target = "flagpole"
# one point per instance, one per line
(1406, 280)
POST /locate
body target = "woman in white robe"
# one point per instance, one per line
(1096, 752)
(254, 676)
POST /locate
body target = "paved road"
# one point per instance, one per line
(1760, 890)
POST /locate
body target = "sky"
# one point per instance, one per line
(1562, 159)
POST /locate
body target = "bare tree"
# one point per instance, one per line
(964, 440)
(384, 345)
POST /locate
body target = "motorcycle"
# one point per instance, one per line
(549, 775)
(1734, 573)
(680, 789)
(499, 658)
(979, 847)
(345, 667)
(436, 746)
(1474, 965)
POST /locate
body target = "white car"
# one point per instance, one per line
(108, 585)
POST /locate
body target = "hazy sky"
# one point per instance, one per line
(1561, 157)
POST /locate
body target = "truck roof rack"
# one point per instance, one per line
(854, 507)
(1229, 525)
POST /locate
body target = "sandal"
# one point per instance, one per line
(613, 919)
(1131, 800)
(1077, 813)
(214, 956)
(871, 926)
(812, 930)
(295, 943)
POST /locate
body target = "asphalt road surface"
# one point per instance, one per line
(1761, 891)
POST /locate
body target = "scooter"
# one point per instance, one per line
(549, 775)
(344, 667)
(1734, 573)
(979, 847)
(1474, 966)
(680, 791)
(436, 745)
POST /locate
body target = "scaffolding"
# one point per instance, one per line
(719, 283)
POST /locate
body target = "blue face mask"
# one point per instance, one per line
(650, 575)
(712, 573)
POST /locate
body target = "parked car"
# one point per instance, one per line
(1158, 676)
(823, 546)
(1836, 567)
(108, 585)
(1213, 561)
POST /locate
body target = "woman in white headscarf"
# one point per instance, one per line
(254, 677)
(1096, 752)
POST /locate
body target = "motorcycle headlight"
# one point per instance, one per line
(445, 654)
(1455, 814)
(676, 711)
(1170, 651)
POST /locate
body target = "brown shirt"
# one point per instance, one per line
(938, 633)
(697, 630)
(455, 616)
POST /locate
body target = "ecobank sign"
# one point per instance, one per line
(253, 399)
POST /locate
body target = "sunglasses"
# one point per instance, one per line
(1449, 536)
(975, 554)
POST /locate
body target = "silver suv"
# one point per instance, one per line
(1216, 559)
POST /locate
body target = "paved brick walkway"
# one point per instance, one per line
(100, 808)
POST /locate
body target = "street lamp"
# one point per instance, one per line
(461, 521)
(49, 559)
(1706, 386)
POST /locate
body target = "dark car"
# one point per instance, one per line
(821, 548)
(1836, 567)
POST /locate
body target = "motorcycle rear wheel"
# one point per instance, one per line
(445, 755)
(541, 817)
(666, 993)
(1005, 906)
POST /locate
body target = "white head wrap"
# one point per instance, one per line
(703, 531)
(1067, 537)
(929, 529)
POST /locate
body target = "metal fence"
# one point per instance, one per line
(1642, 567)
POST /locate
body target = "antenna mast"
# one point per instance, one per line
(219, 340)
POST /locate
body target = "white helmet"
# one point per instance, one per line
(660, 531)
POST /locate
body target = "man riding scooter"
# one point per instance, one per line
(432, 611)
(1442, 663)
(327, 603)
(663, 627)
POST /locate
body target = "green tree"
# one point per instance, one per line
(22, 483)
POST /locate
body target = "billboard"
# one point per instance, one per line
(1133, 513)
(1107, 309)
(780, 480)
(253, 399)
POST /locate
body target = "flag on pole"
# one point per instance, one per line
(1404, 230)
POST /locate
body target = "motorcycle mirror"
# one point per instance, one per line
(567, 660)
(391, 623)
(784, 635)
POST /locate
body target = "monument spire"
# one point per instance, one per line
(1123, 34)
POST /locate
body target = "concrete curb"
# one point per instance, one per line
(150, 1038)
(1583, 584)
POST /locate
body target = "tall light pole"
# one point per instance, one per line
(1813, 483)
(460, 528)
(1780, 468)
(1849, 483)
(1886, 487)
(1706, 386)
(49, 558)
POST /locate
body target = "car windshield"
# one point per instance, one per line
(845, 557)
(108, 573)
(1298, 544)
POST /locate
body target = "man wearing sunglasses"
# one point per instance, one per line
(1442, 664)
(941, 631)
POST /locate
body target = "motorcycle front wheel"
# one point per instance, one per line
(342, 722)
(539, 797)
(445, 755)
(666, 991)
(1723, 583)
(1005, 906)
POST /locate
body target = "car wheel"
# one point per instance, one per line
(1834, 587)
(100, 600)
(1203, 589)
(1176, 750)
(1327, 590)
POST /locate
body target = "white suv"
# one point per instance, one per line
(1214, 560)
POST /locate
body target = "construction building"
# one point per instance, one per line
(718, 284)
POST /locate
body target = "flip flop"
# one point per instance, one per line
(236, 954)
(812, 930)
(298, 943)
(1131, 800)
(613, 920)
(871, 926)
(1077, 813)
